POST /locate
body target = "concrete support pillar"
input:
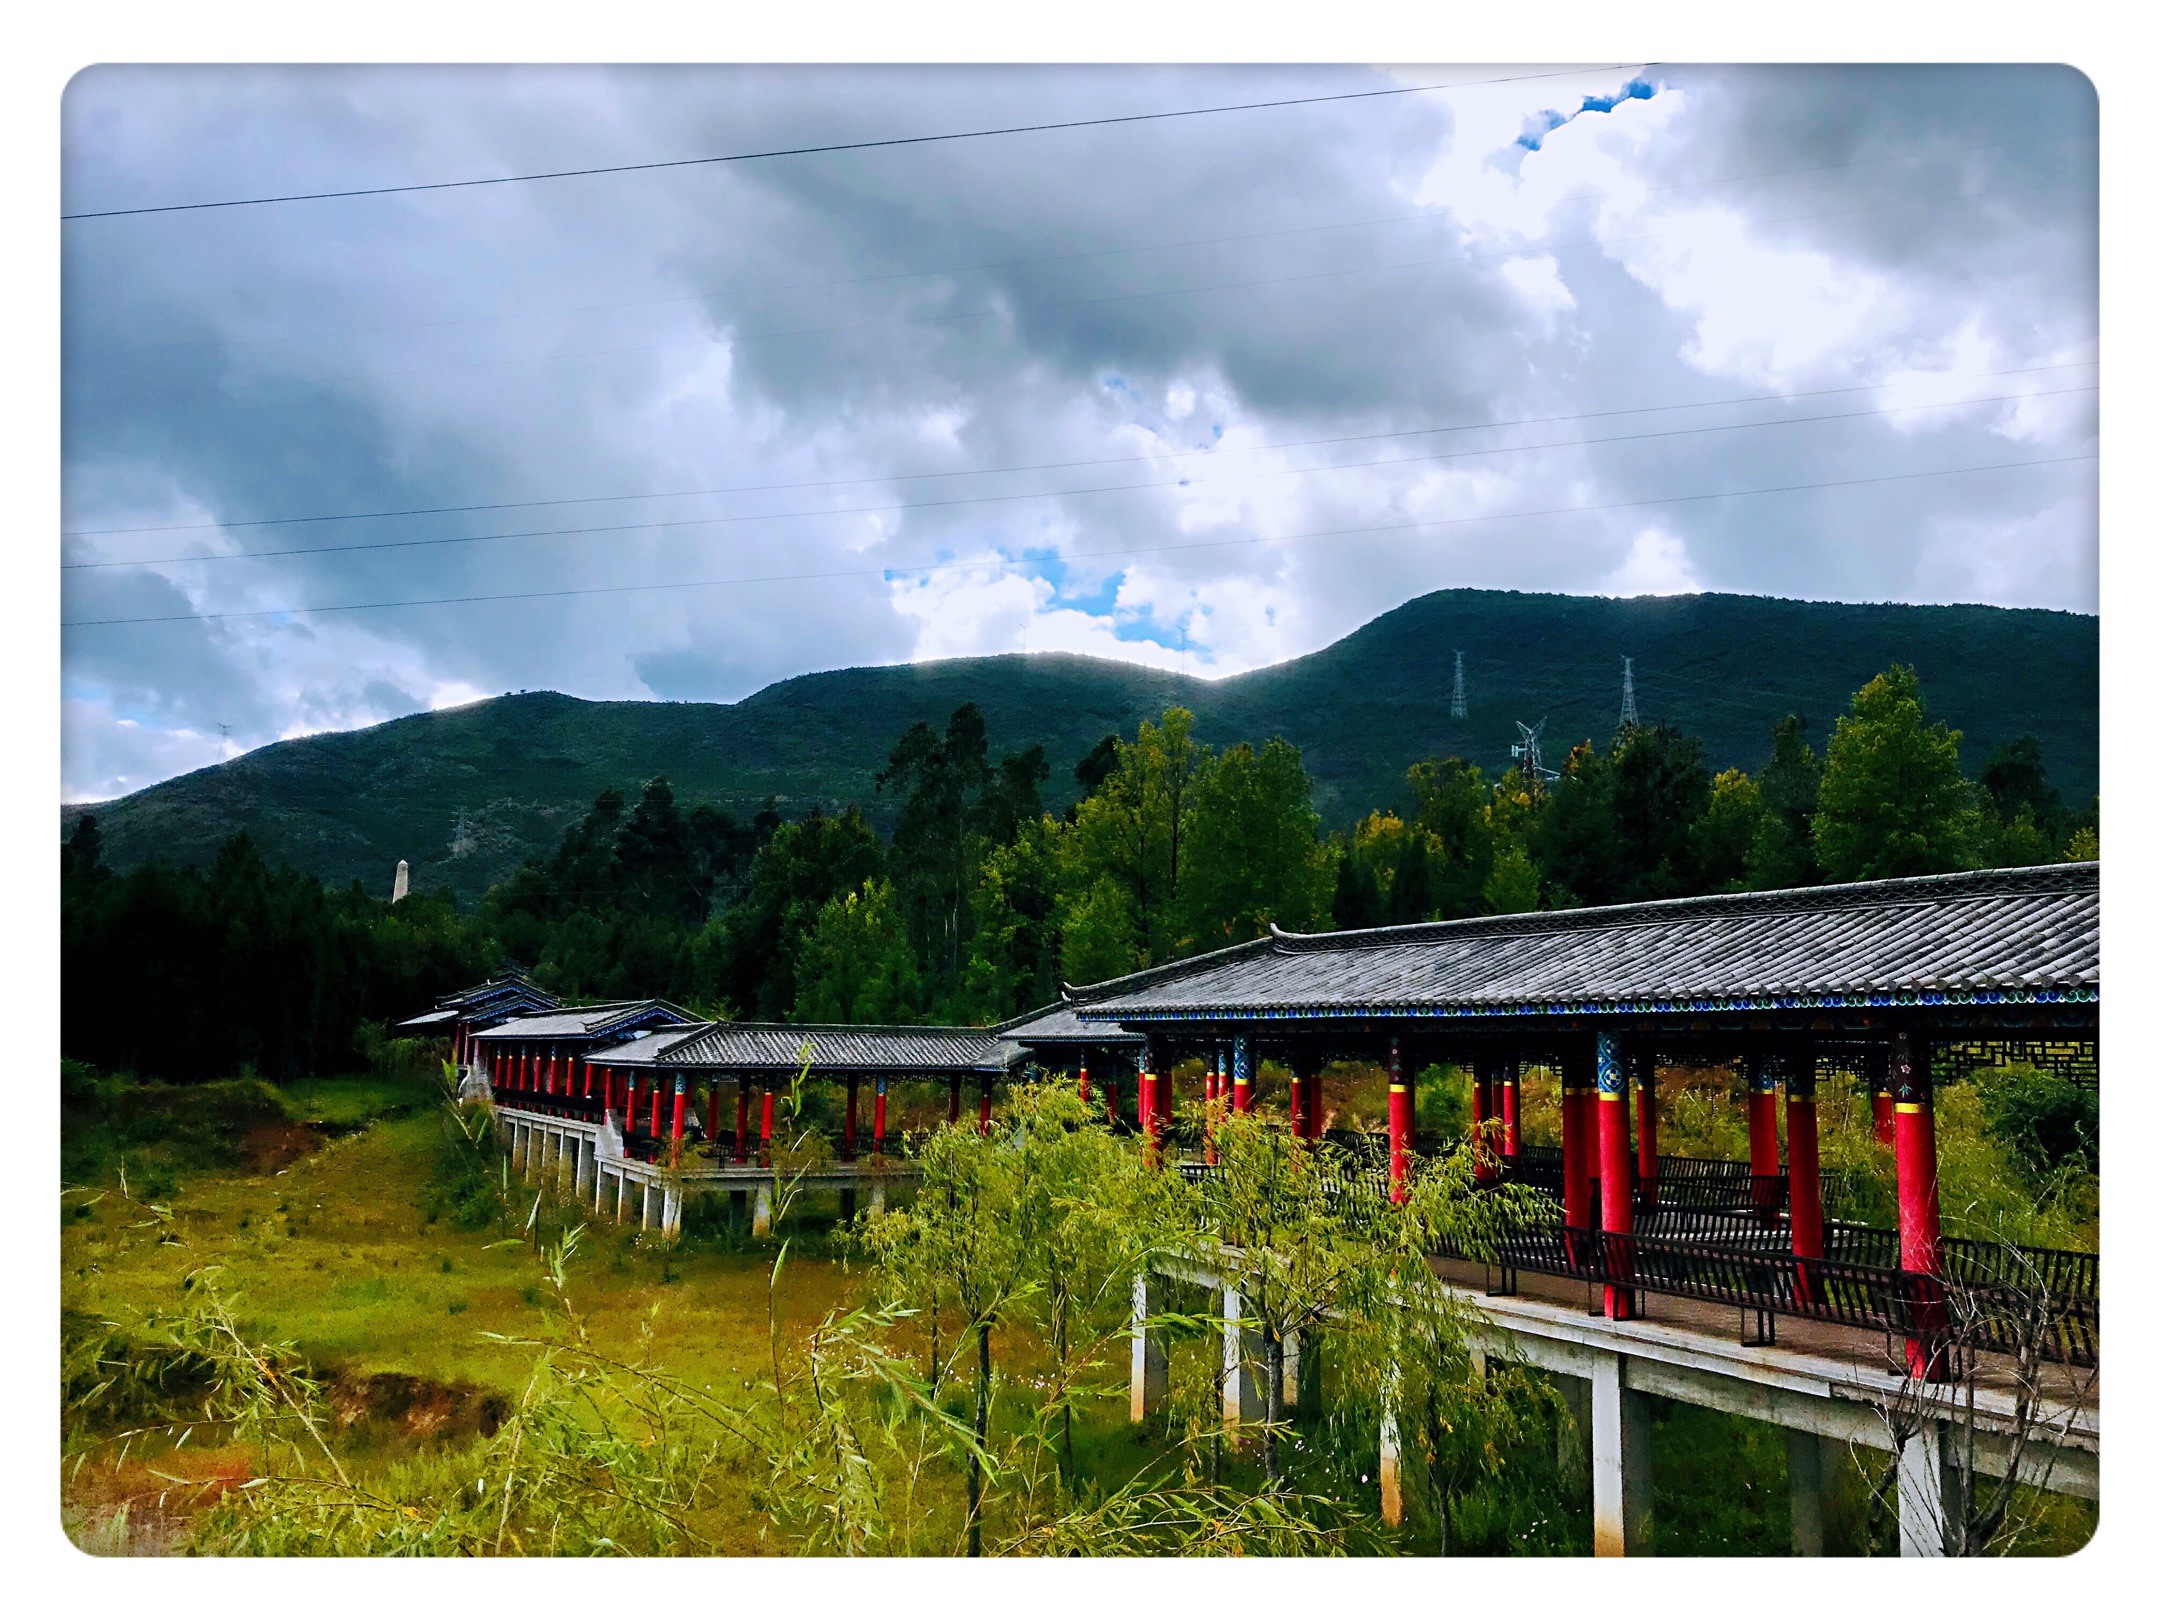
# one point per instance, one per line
(1804, 1469)
(1930, 1503)
(1244, 1360)
(1510, 1107)
(1150, 1356)
(671, 1202)
(877, 1197)
(738, 1209)
(761, 1212)
(648, 1206)
(1391, 1497)
(1619, 1462)
(517, 1146)
(588, 1168)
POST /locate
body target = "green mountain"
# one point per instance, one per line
(465, 794)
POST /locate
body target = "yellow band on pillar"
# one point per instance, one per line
(1610, 1096)
(1398, 1088)
(1912, 1108)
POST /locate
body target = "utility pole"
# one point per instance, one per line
(1531, 753)
(1628, 717)
(1458, 706)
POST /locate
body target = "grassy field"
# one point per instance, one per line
(320, 1207)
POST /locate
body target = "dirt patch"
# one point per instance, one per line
(267, 1149)
(401, 1406)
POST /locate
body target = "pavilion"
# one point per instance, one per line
(1888, 979)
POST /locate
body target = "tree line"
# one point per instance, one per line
(981, 902)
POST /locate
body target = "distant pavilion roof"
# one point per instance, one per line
(2022, 935)
(1059, 1024)
(495, 999)
(834, 1048)
(594, 1022)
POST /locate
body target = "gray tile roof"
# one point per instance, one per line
(1059, 1024)
(599, 1020)
(644, 1048)
(427, 1020)
(835, 1048)
(2019, 935)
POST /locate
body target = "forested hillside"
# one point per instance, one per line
(466, 795)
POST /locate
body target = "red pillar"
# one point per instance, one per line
(1241, 1075)
(1110, 1097)
(659, 1089)
(982, 1116)
(877, 1119)
(1616, 1193)
(742, 1119)
(1211, 1089)
(765, 1126)
(630, 1091)
(1803, 1164)
(1645, 1066)
(1762, 1133)
(1481, 1089)
(547, 1073)
(1578, 1147)
(1510, 1107)
(1401, 1121)
(675, 1125)
(1884, 1105)
(847, 1130)
(1150, 1114)
(1919, 1208)
(1083, 1079)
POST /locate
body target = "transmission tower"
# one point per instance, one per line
(1628, 716)
(1458, 706)
(1531, 753)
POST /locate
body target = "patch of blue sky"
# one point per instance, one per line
(1539, 125)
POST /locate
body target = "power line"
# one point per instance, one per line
(898, 571)
(841, 146)
(992, 311)
(771, 289)
(1032, 495)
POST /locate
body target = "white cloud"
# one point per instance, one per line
(1657, 564)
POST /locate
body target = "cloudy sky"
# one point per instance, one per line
(1203, 392)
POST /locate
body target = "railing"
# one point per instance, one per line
(1988, 1296)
